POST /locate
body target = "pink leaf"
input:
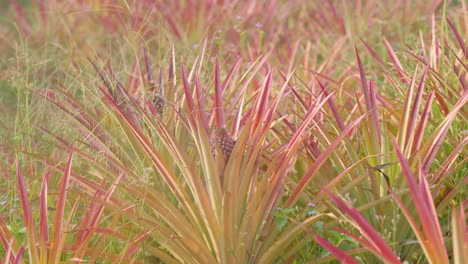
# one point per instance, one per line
(338, 253)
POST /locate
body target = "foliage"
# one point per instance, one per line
(234, 132)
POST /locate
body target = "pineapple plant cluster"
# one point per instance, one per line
(213, 131)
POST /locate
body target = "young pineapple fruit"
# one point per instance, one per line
(158, 99)
(224, 141)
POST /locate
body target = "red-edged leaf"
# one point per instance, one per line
(218, 100)
(418, 135)
(188, 94)
(57, 234)
(230, 73)
(19, 256)
(9, 257)
(371, 105)
(442, 130)
(8, 243)
(122, 93)
(149, 70)
(337, 116)
(201, 105)
(261, 102)
(404, 123)
(459, 38)
(431, 240)
(238, 117)
(299, 98)
(364, 85)
(321, 159)
(460, 234)
(277, 178)
(172, 68)
(379, 246)
(443, 170)
(374, 115)
(103, 79)
(136, 244)
(43, 219)
(443, 106)
(372, 52)
(338, 253)
(360, 239)
(160, 82)
(133, 82)
(90, 221)
(415, 108)
(336, 180)
(27, 213)
(396, 62)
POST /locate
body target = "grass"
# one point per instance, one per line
(202, 132)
